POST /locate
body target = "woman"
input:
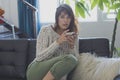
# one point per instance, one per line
(57, 48)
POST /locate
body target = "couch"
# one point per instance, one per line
(16, 54)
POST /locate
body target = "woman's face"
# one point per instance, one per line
(64, 21)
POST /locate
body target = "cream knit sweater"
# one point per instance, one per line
(47, 47)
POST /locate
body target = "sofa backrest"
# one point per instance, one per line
(99, 46)
(15, 55)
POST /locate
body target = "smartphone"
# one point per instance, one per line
(70, 33)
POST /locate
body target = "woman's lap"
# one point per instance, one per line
(37, 70)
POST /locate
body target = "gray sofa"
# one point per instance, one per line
(16, 54)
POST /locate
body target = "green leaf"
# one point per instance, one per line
(79, 10)
(76, 11)
(101, 4)
(108, 9)
(118, 15)
(82, 1)
(115, 6)
(106, 2)
(67, 1)
(118, 49)
(112, 1)
(85, 9)
(94, 3)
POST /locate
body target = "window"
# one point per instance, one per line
(47, 12)
(108, 16)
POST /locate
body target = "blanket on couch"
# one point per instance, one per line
(91, 67)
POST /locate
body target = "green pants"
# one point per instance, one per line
(58, 66)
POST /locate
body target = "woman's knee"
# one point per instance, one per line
(71, 59)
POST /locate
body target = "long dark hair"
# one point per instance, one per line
(68, 10)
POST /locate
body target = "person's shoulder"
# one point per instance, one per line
(46, 27)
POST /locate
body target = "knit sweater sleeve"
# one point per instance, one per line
(44, 50)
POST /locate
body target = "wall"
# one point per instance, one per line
(11, 12)
(100, 29)
(89, 29)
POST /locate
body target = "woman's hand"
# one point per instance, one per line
(71, 40)
(63, 37)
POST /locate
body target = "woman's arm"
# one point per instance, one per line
(44, 50)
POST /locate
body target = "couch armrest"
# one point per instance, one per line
(100, 46)
(31, 50)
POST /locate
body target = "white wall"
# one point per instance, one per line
(90, 29)
(100, 29)
(11, 11)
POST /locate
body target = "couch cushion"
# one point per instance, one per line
(13, 58)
